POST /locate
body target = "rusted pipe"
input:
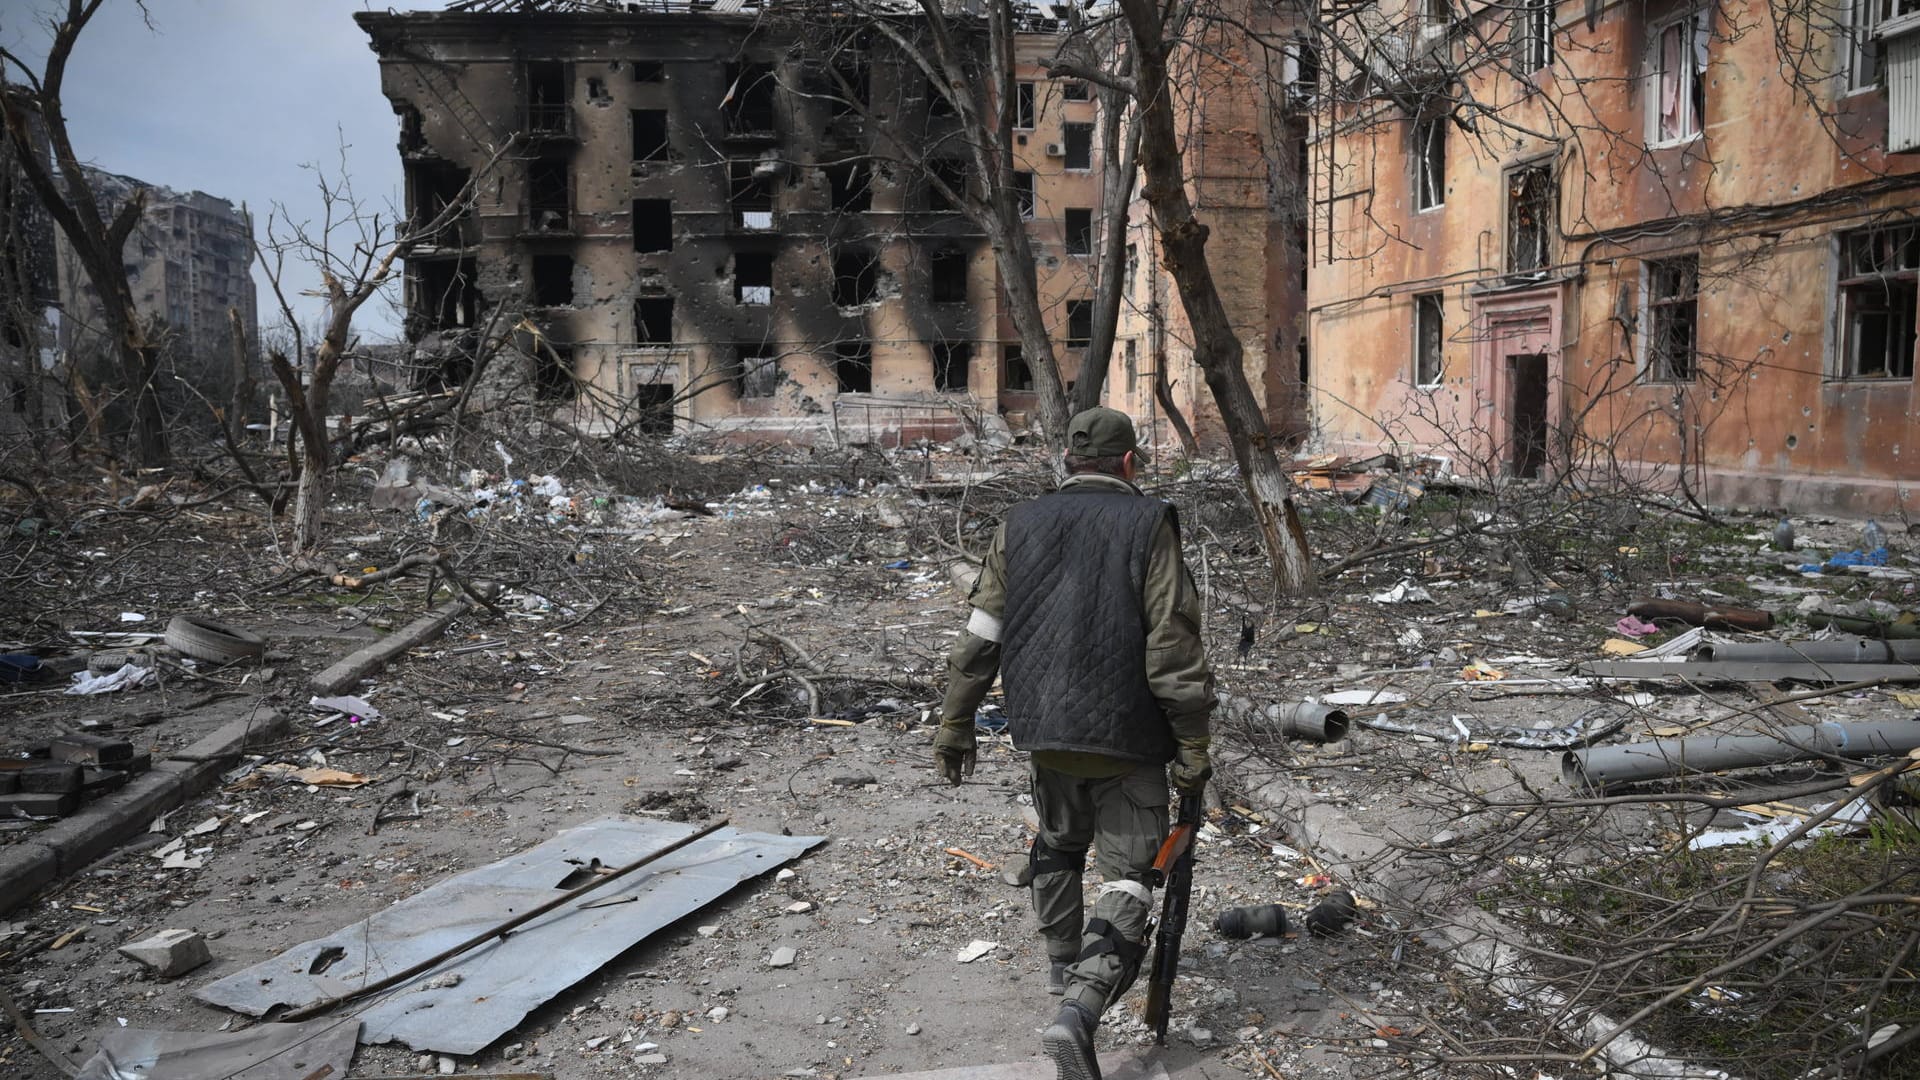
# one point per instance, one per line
(1633, 762)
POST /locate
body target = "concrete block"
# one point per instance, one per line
(50, 778)
(40, 803)
(81, 748)
(132, 766)
(230, 739)
(9, 781)
(25, 869)
(97, 782)
(170, 952)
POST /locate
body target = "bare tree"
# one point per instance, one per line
(355, 253)
(96, 236)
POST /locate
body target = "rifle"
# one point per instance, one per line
(1173, 868)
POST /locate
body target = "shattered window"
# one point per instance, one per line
(949, 171)
(1074, 90)
(650, 135)
(1079, 222)
(1079, 145)
(1015, 374)
(758, 371)
(951, 359)
(1673, 287)
(853, 366)
(1879, 293)
(1079, 324)
(1023, 193)
(1429, 339)
(1531, 220)
(1430, 162)
(1023, 106)
(1679, 70)
(753, 278)
(948, 270)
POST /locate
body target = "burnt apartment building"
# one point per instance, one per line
(711, 222)
(1651, 239)
(188, 261)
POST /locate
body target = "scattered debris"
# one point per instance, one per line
(170, 953)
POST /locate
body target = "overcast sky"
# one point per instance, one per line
(231, 97)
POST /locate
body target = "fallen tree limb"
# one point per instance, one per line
(361, 581)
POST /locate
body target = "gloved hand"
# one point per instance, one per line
(953, 750)
(1192, 768)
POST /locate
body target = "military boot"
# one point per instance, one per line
(1069, 1042)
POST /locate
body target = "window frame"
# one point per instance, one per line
(1082, 307)
(1026, 106)
(1847, 277)
(1655, 365)
(1534, 24)
(1078, 242)
(1427, 304)
(1066, 146)
(1549, 228)
(1700, 19)
(1075, 90)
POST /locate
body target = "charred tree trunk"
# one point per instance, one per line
(244, 388)
(1163, 393)
(1183, 241)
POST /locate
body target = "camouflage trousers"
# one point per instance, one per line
(1124, 819)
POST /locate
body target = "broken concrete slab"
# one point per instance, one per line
(268, 1052)
(504, 980)
(170, 953)
(80, 748)
(364, 661)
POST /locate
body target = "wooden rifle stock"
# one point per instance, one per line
(1173, 866)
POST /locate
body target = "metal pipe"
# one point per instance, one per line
(1601, 766)
(1290, 719)
(1834, 651)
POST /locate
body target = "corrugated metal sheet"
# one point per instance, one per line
(1903, 89)
(500, 982)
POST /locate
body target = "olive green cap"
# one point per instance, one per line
(1101, 432)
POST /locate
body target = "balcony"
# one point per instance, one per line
(548, 123)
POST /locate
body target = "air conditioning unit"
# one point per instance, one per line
(1055, 149)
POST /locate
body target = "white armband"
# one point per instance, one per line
(984, 626)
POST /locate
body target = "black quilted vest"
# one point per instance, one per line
(1074, 660)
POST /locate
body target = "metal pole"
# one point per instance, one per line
(1601, 766)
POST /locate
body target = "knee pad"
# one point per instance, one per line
(1042, 859)
(1128, 952)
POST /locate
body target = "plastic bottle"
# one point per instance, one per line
(1873, 537)
(1783, 536)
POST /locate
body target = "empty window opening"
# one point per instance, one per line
(548, 197)
(1533, 35)
(552, 280)
(1301, 68)
(951, 359)
(1879, 292)
(850, 86)
(853, 366)
(1133, 362)
(1075, 90)
(443, 293)
(850, 186)
(432, 187)
(1023, 106)
(1429, 339)
(649, 71)
(1430, 162)
(1679, 67)
(1130, 271)
(748, 104)
(750, 193)
(758, 369)
(652, 225)
(1015, 373)
(1079, 324)
(948, 269)
(650, 135)
(1079, 145)
(654, 404)
(553, 378)
(1672, 316)
(653, 320)
(856, 278)
(1023, 193)
(1079, 222)
(597, 91)
(938, 103)
(1531, 218)
(547, 95)
(944, 175)
(753, 278)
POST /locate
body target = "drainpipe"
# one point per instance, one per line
(1598, 767)
(1835, 651)
(1289, 719)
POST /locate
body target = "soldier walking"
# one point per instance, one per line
(1086, 611)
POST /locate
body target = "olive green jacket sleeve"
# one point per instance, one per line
(1177, 668)
(975, 660)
